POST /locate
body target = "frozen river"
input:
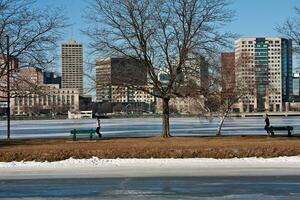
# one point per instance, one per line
(198, 178)
(210, 188)
(142, 127)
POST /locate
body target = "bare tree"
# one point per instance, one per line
(33, 37)
(291, 29)
(163, 34)
(227, 99)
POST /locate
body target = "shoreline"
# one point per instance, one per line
(155, 116)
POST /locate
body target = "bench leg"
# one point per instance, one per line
(289, 133)
(272, 133)
(74, 136)
(91, 136)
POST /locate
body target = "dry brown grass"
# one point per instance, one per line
(153, 147)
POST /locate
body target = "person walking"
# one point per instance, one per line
(267, 124)
(98, 125)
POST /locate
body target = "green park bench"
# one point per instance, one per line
(281, 128)
(82, 132)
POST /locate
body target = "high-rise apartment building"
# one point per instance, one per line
(72, 66)
(264, 64)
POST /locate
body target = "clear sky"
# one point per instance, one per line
(253, 18)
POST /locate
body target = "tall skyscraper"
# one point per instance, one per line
(72, 65)
(265, 64)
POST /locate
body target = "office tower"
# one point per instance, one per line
(72, 66)
(228, 71)
(114, 77)
(266, 65)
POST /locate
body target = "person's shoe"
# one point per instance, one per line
(99, 135)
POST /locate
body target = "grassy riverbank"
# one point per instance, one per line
(153, 147)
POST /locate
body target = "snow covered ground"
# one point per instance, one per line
(108, 168)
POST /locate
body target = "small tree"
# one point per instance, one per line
(164, 35)
(232, 88)
(227, 99)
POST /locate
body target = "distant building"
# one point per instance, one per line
(187, 105)
(80, 115)
(85, 103)
(30, 75)
(72, 66)
(265, 64)
(50, 99)
(228, 71)
(115, 76)
(52, 78)
(3, 76)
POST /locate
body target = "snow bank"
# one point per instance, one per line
(293, 161)
(108, 168)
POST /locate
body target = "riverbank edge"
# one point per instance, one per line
(157, 115)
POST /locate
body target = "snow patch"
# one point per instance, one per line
(293, 161)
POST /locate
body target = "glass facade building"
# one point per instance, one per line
(264, 64)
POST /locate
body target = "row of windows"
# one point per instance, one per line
(71, 56)
(262, 50)
(270, 46)
(43, 100)
(270, 101)
(71, 45)
(66, 50)
(275, 97)
(267, 41)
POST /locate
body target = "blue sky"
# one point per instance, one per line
(257, 18)
(253, 18)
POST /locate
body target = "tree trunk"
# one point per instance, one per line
(165, 118)
(221, 123)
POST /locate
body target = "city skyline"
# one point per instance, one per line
(72, 56)
(245, 24)
(164, 99)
